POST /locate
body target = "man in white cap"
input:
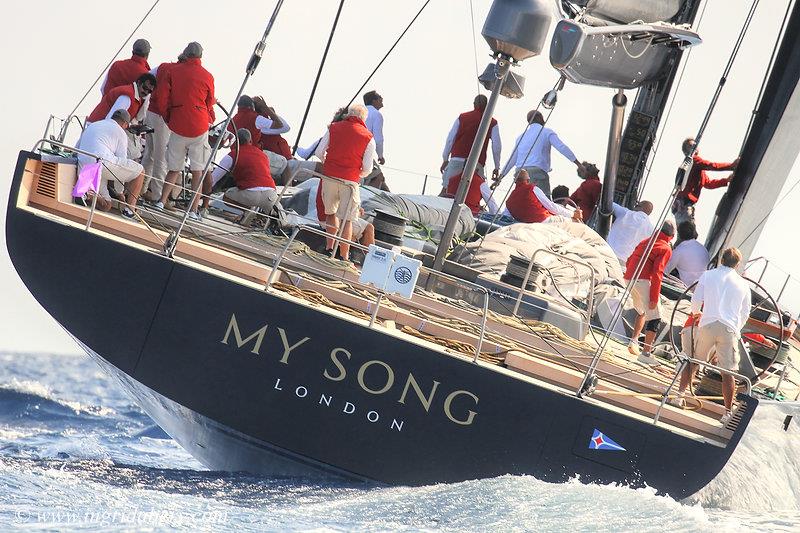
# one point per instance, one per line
(127, 71)
(189, 112)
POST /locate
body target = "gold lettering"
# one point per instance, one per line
(449, 400)
(286, 348)
(389, 376)
(426, 402)
(258, 335)
(339, 366)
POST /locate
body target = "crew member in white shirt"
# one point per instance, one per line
(374, 122)
(724, 297)
(532, 152)
(629, 228)
(107, 139)
(689, 256)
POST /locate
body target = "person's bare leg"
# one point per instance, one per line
(331, 227)
(686, 377)
(649, 337)
(369, 235)
(347, 233)
(169, 182)
(728, 390)
(133, 190)
(197, 186)
(638, 326)
(207, 186)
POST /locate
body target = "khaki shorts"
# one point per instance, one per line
(277, 163)
(722, 339)
(640, 294)
(359, 226)
(196, 148)
(118, 174)
(264, 199)
(300, 170)
(341, 197)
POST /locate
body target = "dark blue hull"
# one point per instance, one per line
(308, 391)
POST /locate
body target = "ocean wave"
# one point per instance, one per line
(32, 400)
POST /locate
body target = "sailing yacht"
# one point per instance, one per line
(257, 354)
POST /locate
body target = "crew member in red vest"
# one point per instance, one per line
(133, 98)
(126, 71)
(683, 207)
(478, 189)
(155, 152)
(189, 111)
(460, 139)
(647, 289)
(250, 168)
(528, 203)
(587, 195)
(347, 151)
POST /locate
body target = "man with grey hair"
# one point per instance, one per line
(127, 71)
(646, 289)
(250, 168)
(459, 142)
(724, 297)
(347, 151)
(189, 111)
(107, 140)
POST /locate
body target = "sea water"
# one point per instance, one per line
(77, 454)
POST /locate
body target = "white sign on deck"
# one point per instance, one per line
(390, 271)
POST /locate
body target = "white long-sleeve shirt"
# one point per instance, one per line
(691, 259)
(374, 124)
(366, 160)
(628, 230)
(724, 296)
(494, 135)
(106, 139)
(264, 124)
(540, 153)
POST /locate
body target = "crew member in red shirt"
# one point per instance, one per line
(126, 71)
(131, 97)
(250, 168)
(647, 289)
(587, 195)
(189, 111)
(528, 203)
(683, 207)
(478, 189)
(347, 152)
(155, 152)
(460, 139)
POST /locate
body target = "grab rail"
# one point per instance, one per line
(469, 285)
(590, 298)
(685, 361)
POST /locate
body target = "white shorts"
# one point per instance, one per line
(640, 294)
(718, 337)
(118, 174)
(277, 163)
(341, 197)
(264, 199)
(196, 148)
(359, 226)
(456, 167)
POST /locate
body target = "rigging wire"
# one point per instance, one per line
(474, 43)
(316, 80)
(421, 9)
(111, 61)
(671, 105)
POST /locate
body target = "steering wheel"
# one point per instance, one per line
(566, 201)
(753, 307)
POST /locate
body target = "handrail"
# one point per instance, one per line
(685, 361)
(428, 271)
(43, 141)
(590, 298)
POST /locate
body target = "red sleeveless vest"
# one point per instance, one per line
(246, 118)
(277, 144)
(348, 140)
(102, 109)
(524, 206)
(467, 129)
(473, 199)
(252, 168)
